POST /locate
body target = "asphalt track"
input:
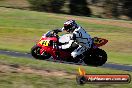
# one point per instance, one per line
(28, 55)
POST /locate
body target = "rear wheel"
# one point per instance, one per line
(35, 52)
(96, 57)
(100, 57)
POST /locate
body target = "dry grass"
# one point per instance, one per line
(96, 21)
(14, 3)
(12, 68)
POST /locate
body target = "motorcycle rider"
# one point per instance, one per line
(78, 36)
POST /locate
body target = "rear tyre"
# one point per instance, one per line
(101, 57)
(96, 57)
(35, 52)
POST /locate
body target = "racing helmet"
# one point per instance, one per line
(70, 25)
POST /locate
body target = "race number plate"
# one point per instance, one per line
(44, 42)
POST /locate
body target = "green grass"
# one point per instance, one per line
(39, 20)
(15, 80)
(20, 80)
(19, 40)
(21, 29)
(54, 66)
(120, 58)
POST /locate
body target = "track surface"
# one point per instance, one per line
(28, 55)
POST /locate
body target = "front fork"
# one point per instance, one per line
(56, 51)
(41, 51)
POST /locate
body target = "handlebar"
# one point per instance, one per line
(53, 33)
(56, 31)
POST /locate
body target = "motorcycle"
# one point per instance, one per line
(47, 47)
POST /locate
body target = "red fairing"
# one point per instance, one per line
(50, 49)
(49, 38)
(46, 44)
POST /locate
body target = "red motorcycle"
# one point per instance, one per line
(47, 47)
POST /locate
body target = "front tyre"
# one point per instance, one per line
(35, 52)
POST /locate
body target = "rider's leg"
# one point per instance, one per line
(77, 53)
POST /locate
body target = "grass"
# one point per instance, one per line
(20, 80)
(39, 20)
(119, 58)
(14, 3)
(15, 80)
(19, 40)
(26, 80)
(20, 30)
(40, 64)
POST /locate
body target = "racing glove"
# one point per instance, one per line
(57, 30)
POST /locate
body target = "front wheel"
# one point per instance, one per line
(35, 52)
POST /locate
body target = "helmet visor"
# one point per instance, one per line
(67, 27)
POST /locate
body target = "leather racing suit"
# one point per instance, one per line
(81, 38)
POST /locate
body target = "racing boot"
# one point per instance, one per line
(79, 59)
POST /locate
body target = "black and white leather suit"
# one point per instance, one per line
(80, 37)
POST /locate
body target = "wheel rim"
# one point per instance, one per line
(37, 51)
